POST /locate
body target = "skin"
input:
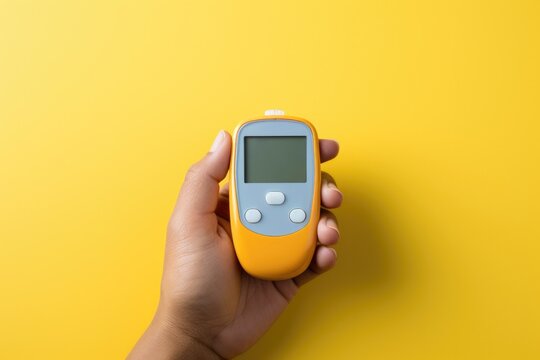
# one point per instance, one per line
(209, 307)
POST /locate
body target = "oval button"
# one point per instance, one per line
(253, 216)
(275, 198)
(297, 215)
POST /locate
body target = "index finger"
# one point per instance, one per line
(328, 149)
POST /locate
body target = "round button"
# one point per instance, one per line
(297, 215)
(253, 216)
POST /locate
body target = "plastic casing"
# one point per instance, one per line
(275, 257)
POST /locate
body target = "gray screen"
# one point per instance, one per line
(275, 159)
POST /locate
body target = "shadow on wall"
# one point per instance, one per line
(366, 264)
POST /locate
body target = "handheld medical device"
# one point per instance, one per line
(274, 195)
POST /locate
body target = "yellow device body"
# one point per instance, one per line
(275, 257)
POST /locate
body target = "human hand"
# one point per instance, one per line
(209, 306)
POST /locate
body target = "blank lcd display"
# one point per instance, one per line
(275, 159)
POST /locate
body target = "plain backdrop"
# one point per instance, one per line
(105, 104)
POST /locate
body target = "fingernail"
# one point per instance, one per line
(334, 251)
(217, 141)
(332, 224)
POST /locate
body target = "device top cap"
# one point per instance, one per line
(273, 112)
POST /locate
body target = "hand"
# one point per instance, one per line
(209, 306)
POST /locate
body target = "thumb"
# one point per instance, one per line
(200, 192)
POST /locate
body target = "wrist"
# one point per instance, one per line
(165, 340)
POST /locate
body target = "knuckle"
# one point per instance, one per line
(173, 227)
(193, 171)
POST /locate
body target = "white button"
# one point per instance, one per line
(253, 216)
(275, 198)
(273, 112)
(297, 215)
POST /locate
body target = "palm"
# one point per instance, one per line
(258, 302)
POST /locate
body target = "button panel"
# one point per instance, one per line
(297, 215)
(275, 198)
(253, 216)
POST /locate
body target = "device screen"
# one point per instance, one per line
(275, 159)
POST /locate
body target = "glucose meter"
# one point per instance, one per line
(274, 195)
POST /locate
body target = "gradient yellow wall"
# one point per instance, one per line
(105, 104)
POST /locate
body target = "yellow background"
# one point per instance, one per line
(105, 104)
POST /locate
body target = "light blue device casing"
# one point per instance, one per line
(275, 218)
